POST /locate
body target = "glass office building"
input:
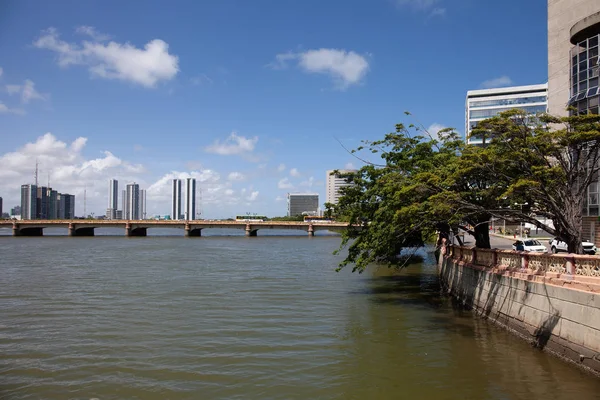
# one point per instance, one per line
(486, 103)
(585, 68)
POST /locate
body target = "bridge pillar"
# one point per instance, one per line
(190, 232)
(250, 232)
(311, 231)
(16, 231)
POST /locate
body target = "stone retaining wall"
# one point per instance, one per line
(559, 313)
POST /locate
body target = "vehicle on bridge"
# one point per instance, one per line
(312, 218)
(250, 218)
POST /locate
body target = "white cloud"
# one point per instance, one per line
(69, 171)
(281, 167)
(200, 79)
(434, 129)
(346, 68)
(496, 82)
(234, 144)
(294, 172)
(92, 32)
(279, 198)
(123, 61)
(26, 90)
(431, 7)
(349, 166)
(253, 196)
(308, 183)
(236, 176)
(6, 110)
(284, 184)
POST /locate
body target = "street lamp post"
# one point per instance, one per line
(521, 223)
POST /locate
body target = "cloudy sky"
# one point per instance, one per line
(250, 98)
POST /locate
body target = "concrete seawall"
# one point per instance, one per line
(559, 313)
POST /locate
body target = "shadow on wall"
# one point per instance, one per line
(468, 288)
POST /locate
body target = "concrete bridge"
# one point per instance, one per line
(86, 227)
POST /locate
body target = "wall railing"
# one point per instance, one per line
(569, 266)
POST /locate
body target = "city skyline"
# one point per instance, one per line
(249, 123)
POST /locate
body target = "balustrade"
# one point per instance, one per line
(541, 263)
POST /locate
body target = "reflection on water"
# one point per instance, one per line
(234, 317)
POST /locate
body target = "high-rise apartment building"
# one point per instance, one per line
(52, 210)
(60, 200)
(142, 213)
(176, 213)
(190, 199)
(124, 204)
(486, 103)
(302, 203)
(132, 206)
(68, 203)
(0, 206)
(573, 35)
(42, 203)
(334, 182)
(113, 199)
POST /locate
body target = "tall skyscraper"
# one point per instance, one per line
(190, 199)
(52, 210)
(132, 206)
(0, 206)
(60, 200)
(176, 200)
(113, 199)
(334, 182)
(68, 201)
(142, 204)
(41, 203)
(124, 204)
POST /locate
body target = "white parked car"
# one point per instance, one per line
(557, 245)
(531, 245)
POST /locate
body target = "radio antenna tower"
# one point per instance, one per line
(36, 171)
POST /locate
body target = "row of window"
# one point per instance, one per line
(490, 113)
(507, 102)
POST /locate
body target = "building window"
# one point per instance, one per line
(585, 69)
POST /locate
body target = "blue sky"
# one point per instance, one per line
(249, 97)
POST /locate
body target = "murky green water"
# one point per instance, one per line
(246, 318)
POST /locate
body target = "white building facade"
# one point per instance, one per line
(132, 202)
(190, 199)
(176, 213)
(113, 199)
(333, 184)
(486, 103)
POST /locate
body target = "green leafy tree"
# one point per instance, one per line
(420, 188)
(547, 162)
(426, 184)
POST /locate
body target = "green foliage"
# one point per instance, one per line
(426, 184)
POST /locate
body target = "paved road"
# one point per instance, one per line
(499, 242)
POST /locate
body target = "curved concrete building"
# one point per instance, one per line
(573, 69)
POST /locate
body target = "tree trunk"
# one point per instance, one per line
(482, 235)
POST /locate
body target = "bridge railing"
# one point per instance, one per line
(569, 266)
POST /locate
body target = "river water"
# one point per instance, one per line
(247, 318)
